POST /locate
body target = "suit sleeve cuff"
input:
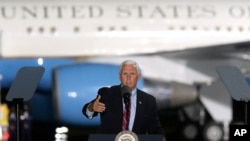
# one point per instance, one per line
(89, 113)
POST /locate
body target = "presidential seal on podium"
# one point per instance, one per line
(126, 136)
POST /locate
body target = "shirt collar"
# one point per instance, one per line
(133, 93)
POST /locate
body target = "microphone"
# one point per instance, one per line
(126, 92)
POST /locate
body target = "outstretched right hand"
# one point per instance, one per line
(97, 106)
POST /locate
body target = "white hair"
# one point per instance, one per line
(130, 62)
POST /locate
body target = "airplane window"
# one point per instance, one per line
(183, 27)
(76, 29)
(29, 29)
(112, 28)
(171, 28)
(100, 28)
(41, 29)
(217, 28)
(229, 28)
(124, 28)
(194, 28)
(52, 29)
(241, 29)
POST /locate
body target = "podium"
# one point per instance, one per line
(111, 137)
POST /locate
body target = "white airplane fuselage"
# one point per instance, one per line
(96, 28)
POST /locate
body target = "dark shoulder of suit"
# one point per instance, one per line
(109, 93)
(146, 95)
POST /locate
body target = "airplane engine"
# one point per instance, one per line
(170, 94)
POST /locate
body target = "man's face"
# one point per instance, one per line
(129, 76)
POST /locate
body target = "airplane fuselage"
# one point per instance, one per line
(96, 28)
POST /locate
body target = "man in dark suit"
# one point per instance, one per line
(110, 104)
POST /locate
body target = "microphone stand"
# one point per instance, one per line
(126, 93)
(128, 114)
(127, 101)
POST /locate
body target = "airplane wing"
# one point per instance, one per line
(214, 95)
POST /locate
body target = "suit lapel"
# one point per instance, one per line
(139, 109)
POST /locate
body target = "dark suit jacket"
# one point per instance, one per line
(146, 116)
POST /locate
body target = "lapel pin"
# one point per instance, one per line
(140, 102)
